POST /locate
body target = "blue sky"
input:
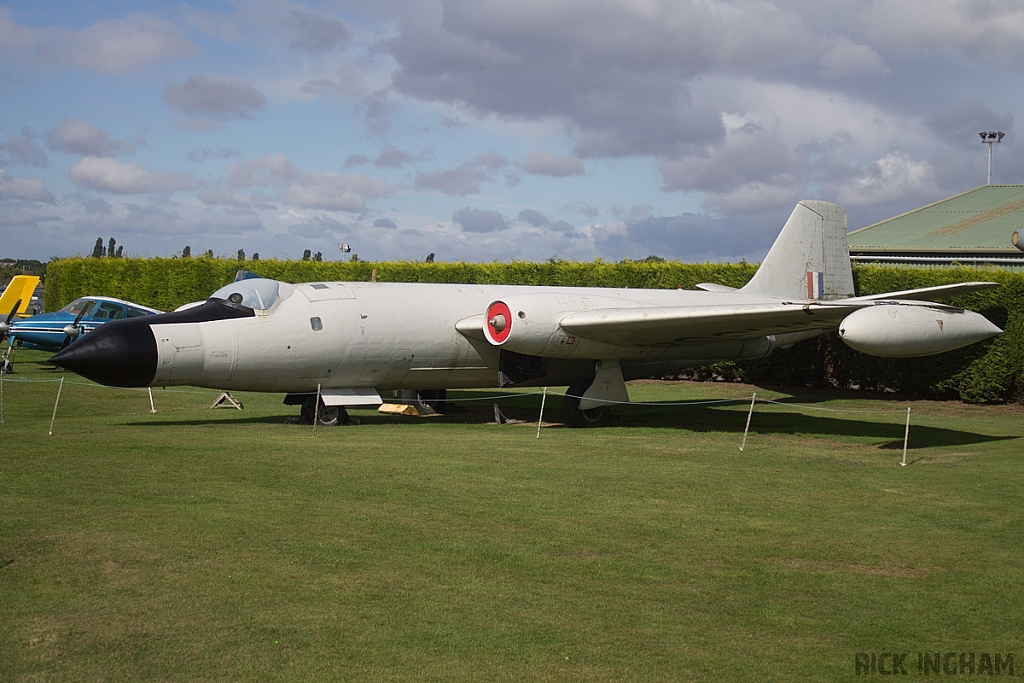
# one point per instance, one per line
(486, 130)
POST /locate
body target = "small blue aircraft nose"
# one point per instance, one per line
(119, 354)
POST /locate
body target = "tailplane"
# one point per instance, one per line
(810, 258)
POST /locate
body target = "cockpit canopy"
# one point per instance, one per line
(256, 293)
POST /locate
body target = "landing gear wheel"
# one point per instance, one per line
(326, 416)
(574, 417)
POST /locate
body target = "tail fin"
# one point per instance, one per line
(19, 291)
(810, 258)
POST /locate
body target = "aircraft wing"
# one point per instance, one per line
(715, 287)
(929, 293)
(700, 324)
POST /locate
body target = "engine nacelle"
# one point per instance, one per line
(907, 330)
(529, 324)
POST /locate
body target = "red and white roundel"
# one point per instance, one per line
(498, 323)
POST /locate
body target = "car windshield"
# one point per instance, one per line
(77, 306)
(259, 293)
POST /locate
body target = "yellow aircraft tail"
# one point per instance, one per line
(18, 292)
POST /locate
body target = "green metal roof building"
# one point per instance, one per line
(971, 229)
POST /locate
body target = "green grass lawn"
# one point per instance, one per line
(214, 544)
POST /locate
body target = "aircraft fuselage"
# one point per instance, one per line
(385, 336)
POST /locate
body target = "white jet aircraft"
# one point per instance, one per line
(356, 339)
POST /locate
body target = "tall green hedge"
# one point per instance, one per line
(166, 283)
(986, 372)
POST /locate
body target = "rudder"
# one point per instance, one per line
(19, 291)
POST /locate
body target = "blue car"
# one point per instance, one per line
(53, 331)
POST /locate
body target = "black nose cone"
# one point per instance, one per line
(121, 353)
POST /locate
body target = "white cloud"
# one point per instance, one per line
(308, 189)
(890, 178)
(112, 46)
(464, 179)
(534, 217)
(78, 136)
(29, 189)
(785, 142)
(273, 169)
(14, 37)
(22, 150)
(162, 220)
(751, 170)
(698, 237)
(618, 74)
(314, 33)
(354, 160)
(753, 196)
(473, 219)
(334, 191)
(196, 125)
(391, 157)
(200, 156)
(540, 162)
(224, 197)
(803, 114)
(845, 58)
(992, 31)
(120, 46)
(215, 96)
(111, 175)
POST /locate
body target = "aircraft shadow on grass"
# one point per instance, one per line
(687, 417)
(795, 421)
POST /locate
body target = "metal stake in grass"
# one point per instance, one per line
(316, 409)
(906, 436)
(540, 419)
(54, 417)
(152, 408)
(5, 364)
(749, 415)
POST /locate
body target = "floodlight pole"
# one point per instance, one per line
(989, 138)
(989, 182)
